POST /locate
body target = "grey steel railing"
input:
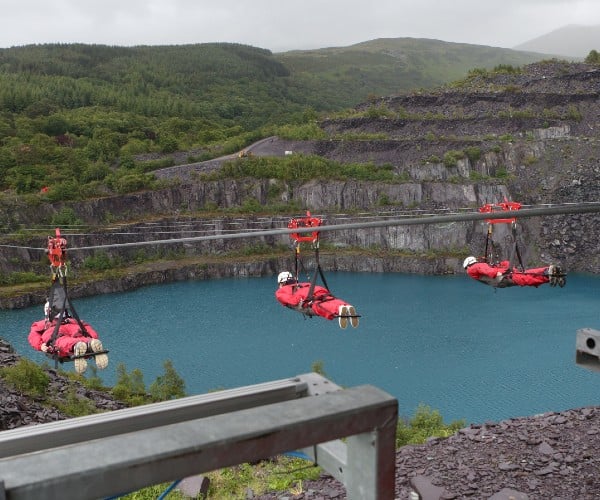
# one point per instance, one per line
(122, 451)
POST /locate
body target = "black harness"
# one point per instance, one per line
(61, 308)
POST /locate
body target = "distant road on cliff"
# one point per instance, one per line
(270, 146)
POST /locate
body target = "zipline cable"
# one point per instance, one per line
(154, 226)
(576, 208)
(177, 226)
(424, 219)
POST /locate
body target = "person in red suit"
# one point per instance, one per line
(70, 340)
(322, 303)
(502, 275)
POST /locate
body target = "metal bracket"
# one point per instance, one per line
(588, 349)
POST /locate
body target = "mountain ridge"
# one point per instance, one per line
(572, 40)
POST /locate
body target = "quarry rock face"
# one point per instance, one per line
(529, 135)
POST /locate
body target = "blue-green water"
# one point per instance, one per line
(448, 342)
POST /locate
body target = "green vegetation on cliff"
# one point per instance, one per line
(91, 120)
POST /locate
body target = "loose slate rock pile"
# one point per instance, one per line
(553, 456)
(17, 409)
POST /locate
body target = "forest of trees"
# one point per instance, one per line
(74, 118)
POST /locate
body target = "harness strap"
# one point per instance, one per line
(487, 243)
(313, 238)
(62, 313)
(318, 271)
(515, 251)
(324, 298)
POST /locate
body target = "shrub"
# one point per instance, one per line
(65, 217)
(251, 205)
(473, 153)
(477, 72)
(130, 387)
(379, 112)
(424, 424)
(318, 367)
(74, 406)
(451, 158)
(21, 277)
(100, 261)
(593, 57)
(168, 144)
(26, 376)
(130, 183)
(148, 166)
(64, 191)
(168, 386)
(476, 176)
(96, 171)
(502, 173)
(507, 68)
(574, 114)
(383, 200)
(433, 159)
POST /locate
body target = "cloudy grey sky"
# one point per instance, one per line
(281, 25)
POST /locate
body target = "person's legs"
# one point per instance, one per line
(343, 316)
(65, 344)
(353, 316)
(101, 359)
(80, 349)
(327, 307)
(556, 275)
(559, 277)
(331, 308)
(532, 277)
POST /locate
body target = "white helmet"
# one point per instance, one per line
(284, 276)
(468, 261)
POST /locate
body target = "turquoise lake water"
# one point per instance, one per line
(451, 343)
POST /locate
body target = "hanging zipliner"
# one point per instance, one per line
(62, 335)
(492, 271)
(309, 298)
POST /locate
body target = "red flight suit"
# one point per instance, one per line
(69, 334)
(500, 275)
(322, 304)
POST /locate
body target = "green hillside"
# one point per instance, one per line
(75, 117)
(346, 76)
(223, 82)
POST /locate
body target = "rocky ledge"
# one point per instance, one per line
(553, 456)
(17, 409)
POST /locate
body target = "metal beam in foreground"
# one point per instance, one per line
(124, 462)
(34, 438)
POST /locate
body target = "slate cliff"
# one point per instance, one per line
(530, 135)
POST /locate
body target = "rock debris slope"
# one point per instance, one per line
(553, 456)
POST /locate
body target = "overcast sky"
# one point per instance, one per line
(281, 25)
